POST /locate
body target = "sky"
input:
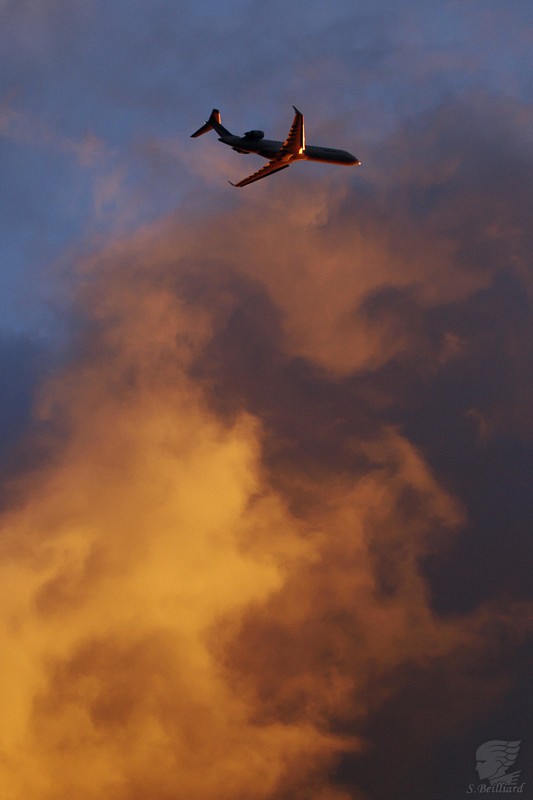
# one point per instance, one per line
(266, 453)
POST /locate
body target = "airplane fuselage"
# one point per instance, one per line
(269, 147)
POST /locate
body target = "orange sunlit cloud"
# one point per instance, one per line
(172, 626)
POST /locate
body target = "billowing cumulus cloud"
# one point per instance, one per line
(265, 528)
(213, 576)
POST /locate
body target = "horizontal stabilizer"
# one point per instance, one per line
(214, 121)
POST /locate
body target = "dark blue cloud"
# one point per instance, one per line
(23, 363)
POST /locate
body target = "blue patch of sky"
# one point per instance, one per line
(138, 76)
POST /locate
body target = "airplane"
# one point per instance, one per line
(280, 154)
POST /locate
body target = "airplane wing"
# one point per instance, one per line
(273, 166)
(293, 145)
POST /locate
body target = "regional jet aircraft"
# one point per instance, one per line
(280, 154)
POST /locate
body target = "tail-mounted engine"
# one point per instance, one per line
(254, 135)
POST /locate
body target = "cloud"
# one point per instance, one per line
(24, 128)
(244, 556)
(120, 556)
(210, 590)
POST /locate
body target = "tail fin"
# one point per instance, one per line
(213, 123)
